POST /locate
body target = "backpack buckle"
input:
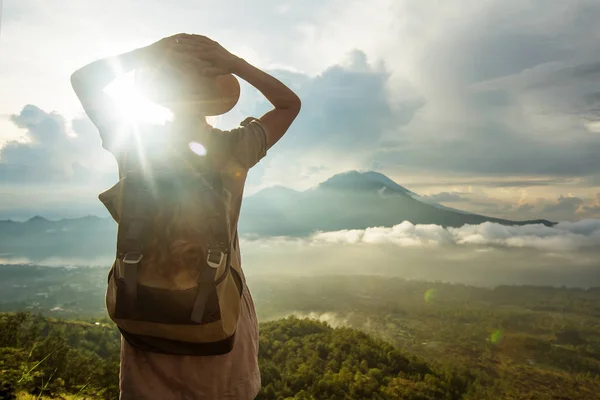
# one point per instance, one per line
(211, 262)
(132, 258)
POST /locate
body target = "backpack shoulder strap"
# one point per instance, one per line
(218, 244)
(216, 225)
(132, 232)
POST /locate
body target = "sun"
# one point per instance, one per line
(132, 106)
(135, 110)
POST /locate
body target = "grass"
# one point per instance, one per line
(27, 396)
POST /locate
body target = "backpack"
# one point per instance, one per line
(200, 320)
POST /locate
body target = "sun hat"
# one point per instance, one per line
(170, 83)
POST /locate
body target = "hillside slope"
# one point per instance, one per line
(302, 359)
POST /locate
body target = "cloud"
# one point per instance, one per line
(334, 320)
(565, 236)
(444, 197)
(345, 108)
(504, 89)
(51, 153)
(565, 204)
(507, 92)
(527, 207)
(485, 254)
(510, 182)
(592, 209)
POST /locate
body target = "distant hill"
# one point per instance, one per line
(39, 238)
(350, 200)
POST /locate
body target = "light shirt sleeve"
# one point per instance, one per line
(250, 142)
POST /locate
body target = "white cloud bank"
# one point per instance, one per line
(563, 237)
(567, 254)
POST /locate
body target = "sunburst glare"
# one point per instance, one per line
(132, 106)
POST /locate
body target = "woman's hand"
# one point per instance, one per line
(160, 49)
(212, 58)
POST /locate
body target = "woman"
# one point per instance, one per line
(189, 74)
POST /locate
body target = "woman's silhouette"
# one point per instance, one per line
(193, 77)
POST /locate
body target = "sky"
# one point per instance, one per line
(489, 106)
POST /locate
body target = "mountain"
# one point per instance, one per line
(39, 238)
(350, 200)
(379, 177)
(389, 184)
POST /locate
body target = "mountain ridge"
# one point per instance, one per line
(353, 200)
(347, 184)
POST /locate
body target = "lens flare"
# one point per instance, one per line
(429, 295)
(197, 148)
(497, 336)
